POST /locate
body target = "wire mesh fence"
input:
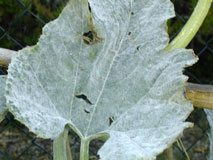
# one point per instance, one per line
(21, 26)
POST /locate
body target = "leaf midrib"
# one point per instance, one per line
(107, 75)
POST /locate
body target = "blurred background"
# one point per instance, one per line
(21, 23)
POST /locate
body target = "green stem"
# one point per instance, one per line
(61, 147)
(192, 26)
(84, 152)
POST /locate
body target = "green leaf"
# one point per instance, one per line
(104, 73)
(3, 108)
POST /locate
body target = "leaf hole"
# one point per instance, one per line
(111, 120)
(86, 111)
(88, 37)
(84, 97)
(89, 8)
(138, 47)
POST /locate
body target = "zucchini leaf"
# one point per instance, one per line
(104, 72)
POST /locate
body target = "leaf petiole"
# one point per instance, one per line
(61, 147)
(192, 26)
(84, 150)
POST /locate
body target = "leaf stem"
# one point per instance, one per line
(61, 147)
(192, 26)
(84, 151)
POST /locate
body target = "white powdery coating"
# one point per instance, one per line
(3, 108)
(126, 75)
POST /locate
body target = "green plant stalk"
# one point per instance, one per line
(61, 146)
(192, 26)
(84, 150)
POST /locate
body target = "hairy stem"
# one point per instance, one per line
(191, 27)
(84, 151)
(61, 147)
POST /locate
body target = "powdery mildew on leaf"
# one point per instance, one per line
(3, 108)
(118, 80)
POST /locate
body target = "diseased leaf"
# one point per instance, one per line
(105, 72)
(3, 108)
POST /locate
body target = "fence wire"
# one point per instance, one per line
(17, 143)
